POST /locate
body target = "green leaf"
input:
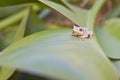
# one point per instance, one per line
(78, 16)
(5, 73)
(93, 13)
(109, 38)
(57, 54)
(9, 10)
(15, 2)
(12, 19)
(82, 14)
(86, 17)
(21, 30)
(63, 10)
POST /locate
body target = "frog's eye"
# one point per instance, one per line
(81, 29)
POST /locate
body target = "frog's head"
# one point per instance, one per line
(78, 29)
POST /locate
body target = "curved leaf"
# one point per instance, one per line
(78, 16)
(5, 73)
(109, 38)
(81, 13)
(93, 13)
(63, 10)
(57, 54)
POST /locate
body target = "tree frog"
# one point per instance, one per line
(82, 32)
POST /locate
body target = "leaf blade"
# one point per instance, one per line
(76, 58)
(109, 39)
(64, 11)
